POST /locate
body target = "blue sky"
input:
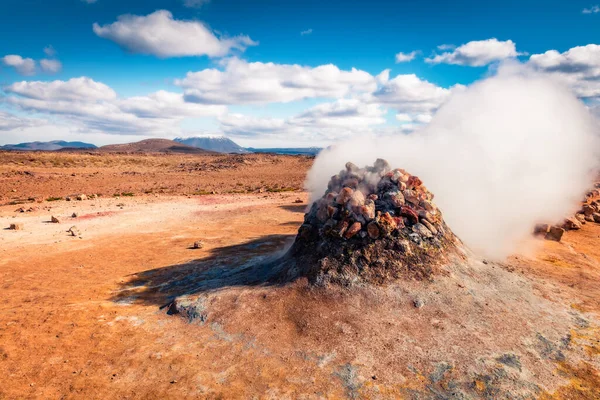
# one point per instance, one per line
(269, 104)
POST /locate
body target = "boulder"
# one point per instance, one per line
(571, 224)
(198, 244)
(541, 229)
(587, 210)
(54, 220)
(596, 217)
(16, 227)
(81, 197)
(555, 233)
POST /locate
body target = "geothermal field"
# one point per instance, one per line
(218, 277)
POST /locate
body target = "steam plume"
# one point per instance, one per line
(508, 152)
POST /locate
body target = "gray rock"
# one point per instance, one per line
(422, 230)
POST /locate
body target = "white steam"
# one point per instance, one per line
(506, 153)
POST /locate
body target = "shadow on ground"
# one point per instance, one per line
(299, 208)
(246, 264)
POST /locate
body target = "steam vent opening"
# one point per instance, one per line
(373, 224)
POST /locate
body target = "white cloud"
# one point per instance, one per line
(414, 118)
(50, 51)
(306, 32)
(195, 3)
(50, 66)
(406, 57)
(410, 94)
(578, 67)
(320, 124)
(444, 47)
(95, 107)
(247, 83)
(76, 90)
(160, 35)
(592, 10)
(24, 66)
(10, 121)
(477, 53)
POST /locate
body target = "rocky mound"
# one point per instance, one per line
(372, 224)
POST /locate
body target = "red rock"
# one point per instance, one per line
(571, 224)
(353, 230)
(373, 230)
(414, 182)
(596, 217)
(386, 223)
(555, 233)
(409, 213)
(344, 196)
(411, 197)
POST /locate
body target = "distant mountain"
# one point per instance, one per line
(47, 146)
(307, 151)
(153, 146)
(220, 144)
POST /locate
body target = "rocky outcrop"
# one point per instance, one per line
(372, 224)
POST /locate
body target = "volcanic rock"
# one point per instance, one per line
(372, 224)
(571, 224)
(555, 233)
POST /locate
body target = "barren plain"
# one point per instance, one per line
(87, 316)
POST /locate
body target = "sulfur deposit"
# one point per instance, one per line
(372, 224)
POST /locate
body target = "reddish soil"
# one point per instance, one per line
(87, 317)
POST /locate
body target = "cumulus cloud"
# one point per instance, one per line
(94, 106)
(477, 53)
(50, 66)
(406, 57)
(410, 94)
(10, 122)
(578, 67)
(160, 35)
(592, 10)
(24, 66)
(195, 3)
(321, 123)
(306, 32)
(255, 83)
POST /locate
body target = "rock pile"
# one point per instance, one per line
(372, 224)
(589, 212)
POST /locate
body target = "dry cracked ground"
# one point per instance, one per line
(88, 316)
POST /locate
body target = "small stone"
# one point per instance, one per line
(16, 227)
(73, 231)
(571, 224)
(386, 224)
(410, 214)
(422, 230)
(414, 182)
(373, 230)
(198, 244)
(353, 230)
(67, 198)
(74, 215)
(405, 247)
(344, 196)
(555, 233)
(54, 220)
(418, 303)
(298, 201)
(430, 226)
(411, 197)
(81, 197)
